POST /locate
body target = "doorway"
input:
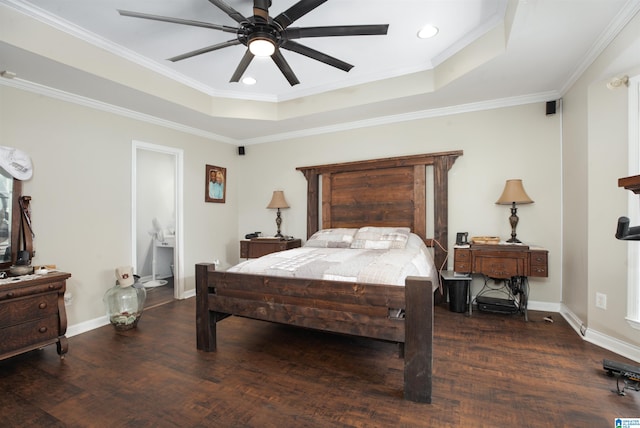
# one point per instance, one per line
(156, 221)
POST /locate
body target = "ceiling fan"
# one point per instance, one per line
(266, 36)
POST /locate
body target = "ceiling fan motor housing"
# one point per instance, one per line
(259, 31)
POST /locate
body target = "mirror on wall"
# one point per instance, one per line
(10, 192)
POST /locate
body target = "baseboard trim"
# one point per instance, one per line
(86, 326)
(543, 306)
(624, 349)
(600, 339)
(89, 325)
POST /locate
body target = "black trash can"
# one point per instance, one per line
(458, 291)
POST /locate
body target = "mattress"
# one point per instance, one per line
(364, 261)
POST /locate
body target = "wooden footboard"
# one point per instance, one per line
(339, 307)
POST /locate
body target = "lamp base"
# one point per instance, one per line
(513, 221)
(278, 223)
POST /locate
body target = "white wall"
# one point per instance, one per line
(81, 190)
(595, 147)
(516, 142)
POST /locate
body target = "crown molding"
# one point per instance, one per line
(121, 51)
(110, 108)
(423, 114)
(346, 126)
(626, 14)
(74, 30)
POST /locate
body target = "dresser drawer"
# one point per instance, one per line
(29, 333)
(14, 291)
(500, 267)
(462, 260)
(15, 311)
(539, 264)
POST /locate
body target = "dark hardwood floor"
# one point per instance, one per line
(159, 295)
(489, 370)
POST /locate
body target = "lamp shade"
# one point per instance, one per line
(277, 200)
(514, 193)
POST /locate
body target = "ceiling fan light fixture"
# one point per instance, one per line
(428, 31)
(262, 46)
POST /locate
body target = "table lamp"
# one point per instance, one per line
(278, 202)
(513, 194)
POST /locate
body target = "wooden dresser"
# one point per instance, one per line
(32, 314)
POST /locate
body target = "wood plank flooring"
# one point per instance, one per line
(159, 295)
(489, 370)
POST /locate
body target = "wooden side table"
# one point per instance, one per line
(511, 263)
(258, 247)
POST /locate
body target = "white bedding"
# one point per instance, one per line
(367, 265)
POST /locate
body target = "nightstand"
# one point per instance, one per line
(250, 249)
(512, 264)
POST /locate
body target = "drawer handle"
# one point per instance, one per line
(10, 294)
(42, 305)
(43, 329)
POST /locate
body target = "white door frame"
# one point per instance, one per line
(178, 252)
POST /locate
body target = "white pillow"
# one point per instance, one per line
(332, 238)
(381, 238)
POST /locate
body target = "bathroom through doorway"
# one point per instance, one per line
(156, 221)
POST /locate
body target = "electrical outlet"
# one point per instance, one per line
(601, 301)
(68, 298)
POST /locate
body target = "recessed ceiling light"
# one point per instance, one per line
(428, 31)
(249, 81)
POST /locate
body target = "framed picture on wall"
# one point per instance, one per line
(215, 189)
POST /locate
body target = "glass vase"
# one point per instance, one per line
(125, 305)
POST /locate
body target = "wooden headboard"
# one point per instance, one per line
(382, 192)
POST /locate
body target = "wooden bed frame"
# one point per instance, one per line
(383, 192)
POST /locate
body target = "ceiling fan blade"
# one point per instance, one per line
(338, 30)
(242, 66)
(283, 65)
(314, 54)
(211, 48)
(296, 11)
(233, 14)
(177, 21)
(261, 9)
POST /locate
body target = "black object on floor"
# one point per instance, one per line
(494, 304)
